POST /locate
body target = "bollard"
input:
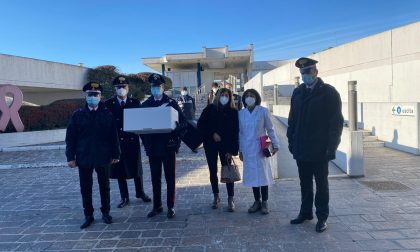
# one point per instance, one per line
(275, 94)
(352, 105)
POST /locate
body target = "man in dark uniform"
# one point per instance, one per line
(187, 104)
(161, 149)
(237, 99)
(130, 162)
(213, 93)
(314, 132)
(92, 144)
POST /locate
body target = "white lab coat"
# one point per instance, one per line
(257, 170)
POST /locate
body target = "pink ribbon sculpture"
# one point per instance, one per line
(10, 113)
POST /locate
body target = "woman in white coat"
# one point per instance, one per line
(254, 123)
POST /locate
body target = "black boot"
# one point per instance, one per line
(88, 220)
(107, 218)
(154, 212)
(321, 226)
(300, 219)
(144, 197)
(123, 203)
(171, 213)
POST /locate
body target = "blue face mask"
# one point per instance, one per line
(156, 91)
(92, 101)
(307, 79)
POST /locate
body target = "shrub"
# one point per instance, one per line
(56, 115)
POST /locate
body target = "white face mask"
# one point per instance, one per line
(224, 100)
(214, 90)
(250, 101)
(183, 92)
(121, 92)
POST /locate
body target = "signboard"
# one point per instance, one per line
(402, 110)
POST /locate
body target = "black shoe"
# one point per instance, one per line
(88, 220)
(171, 213)
(155, 212)
(321, 226)
(123, 203)
(107, 218)
(144, 197)
(300, 219)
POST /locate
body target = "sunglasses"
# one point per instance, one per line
(120, 86)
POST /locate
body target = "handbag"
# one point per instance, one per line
(265, 144)
(230, 172)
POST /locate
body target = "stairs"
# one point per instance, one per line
(370, 141)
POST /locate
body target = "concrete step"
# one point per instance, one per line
(374, 144)
(366, 132)
(368, 138)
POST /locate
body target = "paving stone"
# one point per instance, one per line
(410, 244)
(106, 244)
(46, 212)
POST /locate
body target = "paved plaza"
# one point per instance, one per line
(41, 210)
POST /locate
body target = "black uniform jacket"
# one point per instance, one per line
(91, 137)
(130, 161)
(223, 121)
(315, 122)
(162, 144)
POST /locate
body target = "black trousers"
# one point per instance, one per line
(319, 170)
(168, 163)
(211, 156)
(138, 183)
(86, 183)
(258, 191)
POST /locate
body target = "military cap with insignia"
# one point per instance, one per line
(120, 80)
(304, 63)
(156, 79)
(92, 86)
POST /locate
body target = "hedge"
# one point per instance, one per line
(56, 115)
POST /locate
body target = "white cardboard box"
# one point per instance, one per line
(150, 120)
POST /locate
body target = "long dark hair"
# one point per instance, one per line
(217, 100)
(255, 93)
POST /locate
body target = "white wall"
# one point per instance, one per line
(398, 132)
(386, 68)
(255, 83)
(27, 72)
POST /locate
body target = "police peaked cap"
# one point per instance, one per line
(120, 80)
(92, 86)
(304, 63)
(156, 79)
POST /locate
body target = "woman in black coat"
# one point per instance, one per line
(219, 126)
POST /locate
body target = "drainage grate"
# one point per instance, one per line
(383, 186)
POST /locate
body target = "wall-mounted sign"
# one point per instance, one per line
(402, 110)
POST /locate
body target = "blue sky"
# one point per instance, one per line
(121, 32)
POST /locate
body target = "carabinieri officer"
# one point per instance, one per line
(92, 144)
(129, 166)
(161, 149)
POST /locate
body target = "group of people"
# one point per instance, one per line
(96, 141)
